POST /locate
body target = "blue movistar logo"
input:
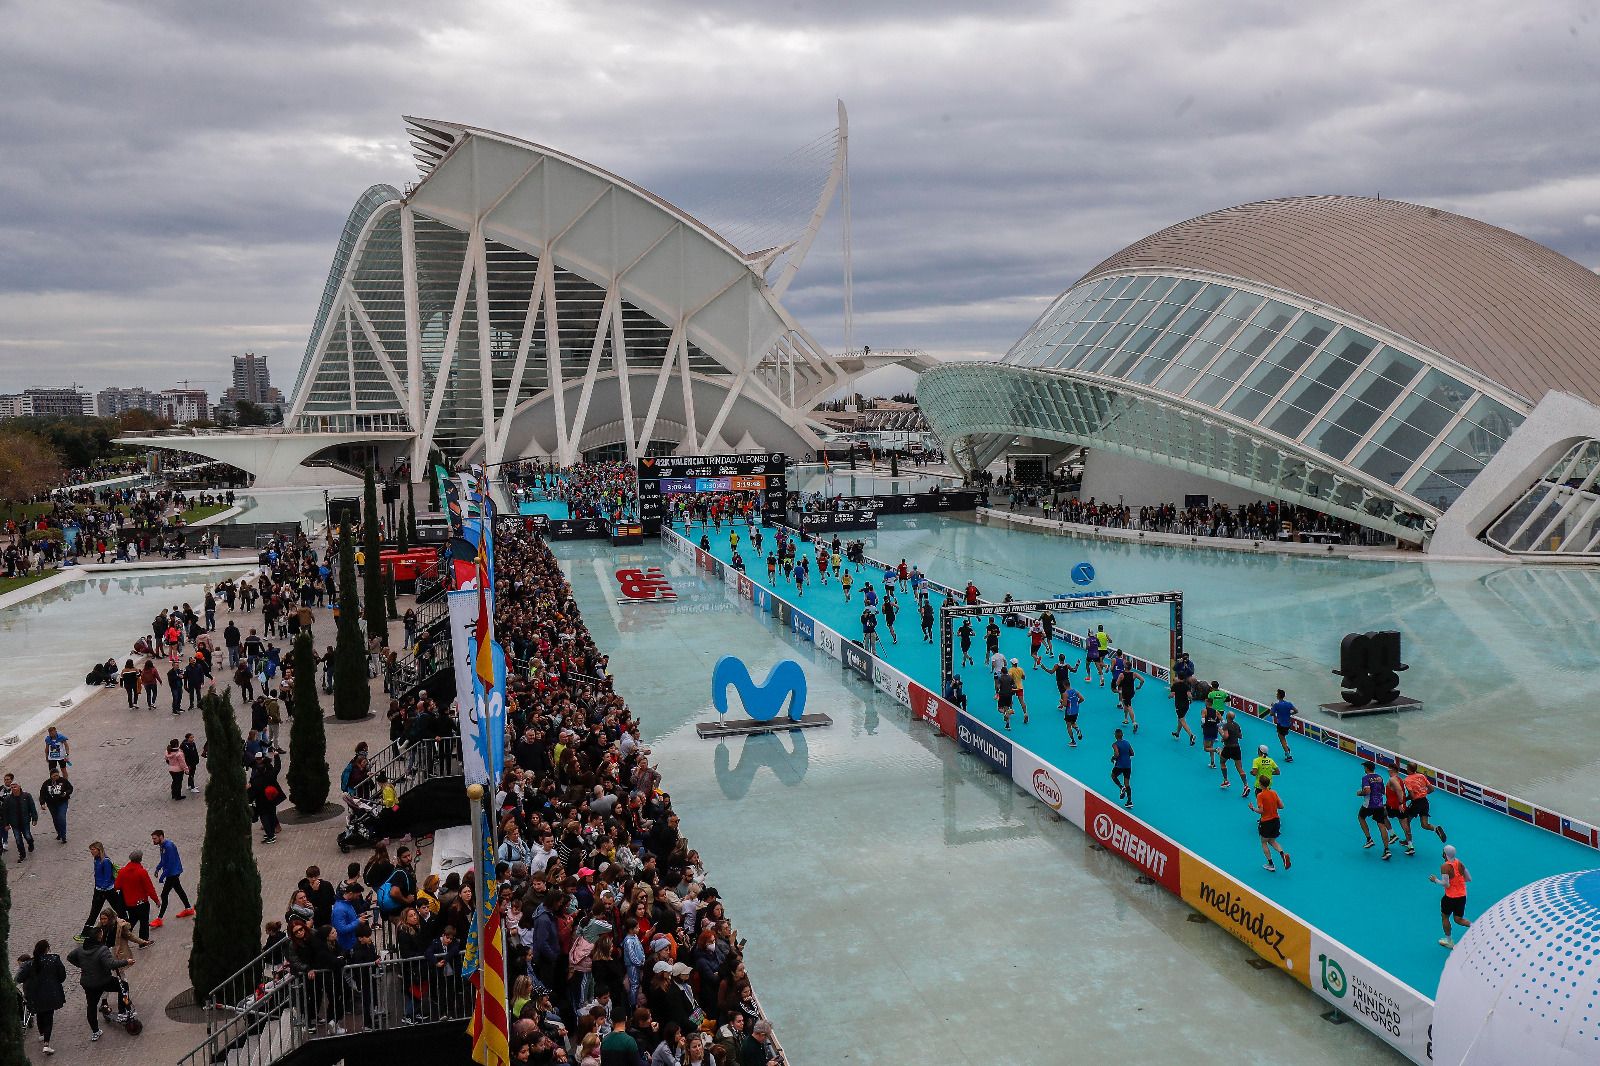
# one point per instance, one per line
(761, 702)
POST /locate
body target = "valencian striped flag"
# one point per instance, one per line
(490, 1027)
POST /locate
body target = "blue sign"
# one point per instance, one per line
(1082, 574)
(983, 742)
(761, 702)
(803, 624)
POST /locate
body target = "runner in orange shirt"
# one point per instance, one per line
(1453, 876)
(1268, 805)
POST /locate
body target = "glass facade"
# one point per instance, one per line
(1330, 389)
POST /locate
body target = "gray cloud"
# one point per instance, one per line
(174, 175)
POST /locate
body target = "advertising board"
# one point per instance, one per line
(1048, 785)
(1279, 938)
(1124, 835)
(1395, 1013)
(932, 708)
(983, 742)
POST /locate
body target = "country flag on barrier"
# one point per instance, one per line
(1582, 832)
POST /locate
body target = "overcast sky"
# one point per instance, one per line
(174, 175)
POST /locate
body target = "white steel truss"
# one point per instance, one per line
(517, 300)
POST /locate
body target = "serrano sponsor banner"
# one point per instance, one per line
(1120, 832)
(931, 707)
(1277, 937)
(983, 742)
(1048, 785)
(856, 659)
(827, 640)
(1397, 1014)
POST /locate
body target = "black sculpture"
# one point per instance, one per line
(1369, 663)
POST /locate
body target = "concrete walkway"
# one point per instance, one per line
(122, 793)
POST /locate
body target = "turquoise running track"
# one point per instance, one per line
(1386, 911)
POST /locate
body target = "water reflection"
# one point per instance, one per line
(789, 765)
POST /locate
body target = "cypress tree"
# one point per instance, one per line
(351, 695)
(388, 595)
(308, 778)
(227, 924)
(11, 1053)
(372, 570)
(402, 536)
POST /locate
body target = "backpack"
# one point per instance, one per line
(386, 902)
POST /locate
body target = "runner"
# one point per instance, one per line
(800, 577)
(1122, 768)
(1269, 805)
(997, 664)
(1453, 876)
(1047, 622)
(1394, 805)
(869, 628)
(1071, 703)
(1371, 792)
(890, 610)
(1180, 707)
(1104, 640)
(1017, 675)
(926, 610)
(1232, 734)
(835, 558)
(1126, 685)
(1263, 765)
(1417, 788)
(991, 638)
(965, 633)
(1036, 641)
(1209, 721)
(1283, 713)
(1091, 658)
(846, 581)
(772, 572)
(972, 594)
(903, 573)
(1003, 690)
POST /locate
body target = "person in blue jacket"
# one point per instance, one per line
(169, 869)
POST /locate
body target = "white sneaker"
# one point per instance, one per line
(1446, 942)
(95, 1035)
(48, 1050)
(192, 788)
(339, 1030)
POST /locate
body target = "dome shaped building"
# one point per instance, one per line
(1418, 372)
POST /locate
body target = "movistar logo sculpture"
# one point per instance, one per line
(762, 702)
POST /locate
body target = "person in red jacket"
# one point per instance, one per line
(138, 892)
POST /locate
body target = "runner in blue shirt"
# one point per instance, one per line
(1372, 805)
(1283, 713)
(1071, 702)
(1122, 768)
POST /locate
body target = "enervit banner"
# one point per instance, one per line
(827, 640)
(1121, 833)
(1395, 1013)
(856, 659)
(933, 708)
(983, 742)
(1048, 785)
(1281, 939)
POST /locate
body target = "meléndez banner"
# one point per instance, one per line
(1280, 938)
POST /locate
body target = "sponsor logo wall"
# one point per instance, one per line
(1277, 937)
(1394, 1012)
(1119, 832)
(1379, 1002)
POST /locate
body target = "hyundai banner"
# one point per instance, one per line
(983, 742)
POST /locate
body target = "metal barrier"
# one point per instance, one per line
(408, 765)
(287, 1009)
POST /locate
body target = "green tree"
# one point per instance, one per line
(388, 595)
(352, 697)
(371, 569)
(308, 778)
(402, 536)
(11, 1053)
(227, 925)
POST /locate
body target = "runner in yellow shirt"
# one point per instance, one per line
(1017, 674)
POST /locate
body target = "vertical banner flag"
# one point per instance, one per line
(463, 607)
(490, 1026)
(447, 495)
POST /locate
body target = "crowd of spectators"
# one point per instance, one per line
(608, 491)
(619, 951)
(1259, 520)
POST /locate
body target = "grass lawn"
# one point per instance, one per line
(195, 514)
(11, 584)
(23, 512)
